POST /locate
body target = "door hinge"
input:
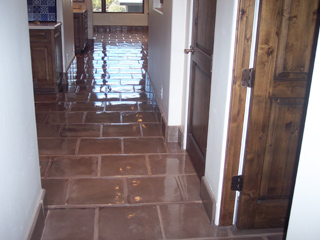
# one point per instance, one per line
(247, 78)
(237, 183)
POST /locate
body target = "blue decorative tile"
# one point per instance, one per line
(36, 16)
(36, 9)
(52, 17)
(52, 9)
(51, 3)
(30, 16)
(44, 17)
(42, 10)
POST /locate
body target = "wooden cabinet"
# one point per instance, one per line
(46, 57)
(80, 21)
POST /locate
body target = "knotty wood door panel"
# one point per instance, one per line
(285, 42)
(200, 82)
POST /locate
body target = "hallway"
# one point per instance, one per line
(106, 168)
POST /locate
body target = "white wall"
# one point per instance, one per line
(168, 37)
(65, 15)
(123, 19)
(223, 54)
(19, 162)
(159, 53)
(177, 66)
(305, 210)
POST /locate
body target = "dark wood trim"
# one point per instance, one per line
(237, 109)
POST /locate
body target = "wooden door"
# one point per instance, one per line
(283, 59)
(200, 82)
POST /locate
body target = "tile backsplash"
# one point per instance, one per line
(42, 10)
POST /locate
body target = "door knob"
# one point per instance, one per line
(190, 50)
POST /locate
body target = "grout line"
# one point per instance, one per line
(148, 165)
(84, 117)
(77, 146)
(125, 190)
(101, 130)
(161, 222)
(67, 193)
(96, 224)
(99, 167)
(141, 132)
(122, 146)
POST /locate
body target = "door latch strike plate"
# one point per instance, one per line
(247, 78)
(237, 183)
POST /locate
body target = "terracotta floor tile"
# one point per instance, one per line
(146, 106)
(80, 130)
(48, 130)
(134, 96)
(53, 107)
(171, 164)
(121, 106)
(191, 187)
(102, 117)
(44, 162)
(100, 146)
(73, 167)
(174, 148)
(45, 97)
(41, 117)
(144, 145)
(188, 221)
(121, 130)
(56, 190)
(68, 224)
(134, 223)
(87, 106)
(74, 97)
(96, 191)
(65, 117)
(123, 165)
(151, 130)
(153, 189)
(139, 117)
(105, 97)
(57, 146)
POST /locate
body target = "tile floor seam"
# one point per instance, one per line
(96, 225)
(122, 146)
(77, 148)
(67, 195)
(99, 166)
(148, 165)
(161, 223)
(125, 190)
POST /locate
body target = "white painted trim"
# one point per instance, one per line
(226, 117)
(189, 29)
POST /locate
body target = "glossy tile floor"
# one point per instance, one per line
(106, 168)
